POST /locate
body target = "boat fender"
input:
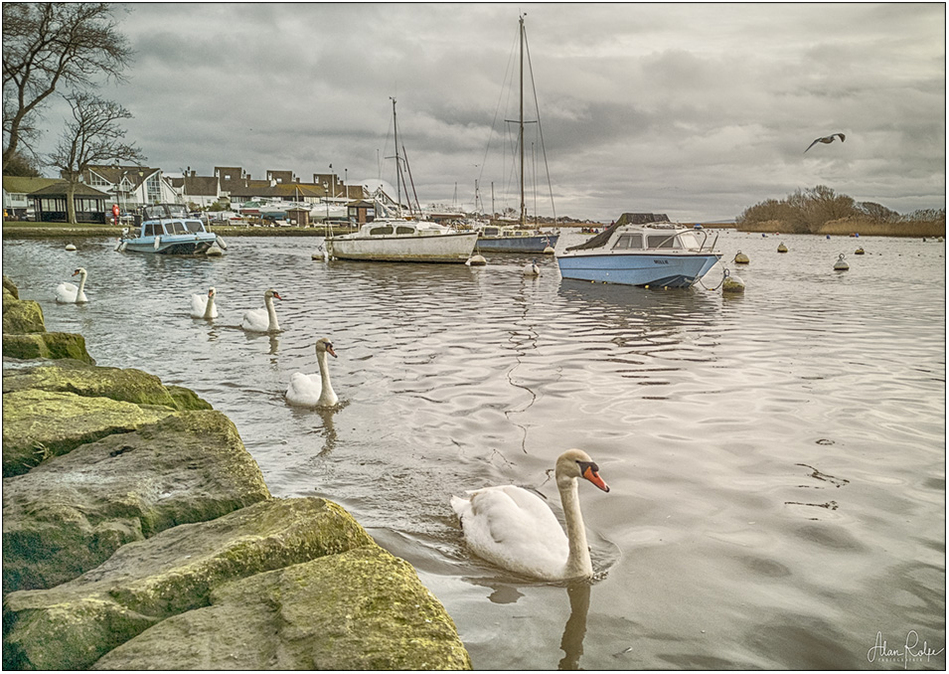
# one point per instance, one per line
(841, 264)
(221, 243)
(121, 246)
(157, 242)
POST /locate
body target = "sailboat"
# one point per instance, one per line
(519, 238)
(394, 238)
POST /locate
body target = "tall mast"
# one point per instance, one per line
(398, 166)
(520, 140)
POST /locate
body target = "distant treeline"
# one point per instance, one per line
(820, 210)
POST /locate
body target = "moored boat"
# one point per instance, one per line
(495, 239)
(167, 229)
(656, 253)
(398, 240)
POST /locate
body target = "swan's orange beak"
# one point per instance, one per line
(329, 350)
(277, 295)
(590, 473)
(75, 272)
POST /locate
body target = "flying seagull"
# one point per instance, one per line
(827, 139)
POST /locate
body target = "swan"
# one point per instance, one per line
(67, 293)
(515, 529)
(263, 320)
(308, 390)
(202, 306)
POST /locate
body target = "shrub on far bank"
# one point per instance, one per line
(820, 210)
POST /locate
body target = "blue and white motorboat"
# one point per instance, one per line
(653, 254)
(496, 239)
(167, 229)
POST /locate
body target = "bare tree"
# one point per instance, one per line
(51, 45)
(92, 137)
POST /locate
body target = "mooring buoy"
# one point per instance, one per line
(741, 258)
(782, 248)
(841, 264)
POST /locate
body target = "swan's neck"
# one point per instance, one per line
(578, 559)
(328, 396)
(82, 284)
(209, 307)
(272, 314)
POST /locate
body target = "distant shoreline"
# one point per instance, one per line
(46, 230)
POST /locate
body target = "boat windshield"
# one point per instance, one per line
(194, 225)
(156, 211)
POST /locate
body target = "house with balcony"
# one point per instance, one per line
(133, 186)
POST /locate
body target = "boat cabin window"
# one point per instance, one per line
(153, 229)
(194, 226)
(661, 241)
(491, 231)
(627, 241)
(404, 230)
(380, 231)
(177, 227)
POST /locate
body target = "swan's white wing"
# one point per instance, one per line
(67, 292)
(304, 390)
(198, 305)
(256, 320)
(515, 529)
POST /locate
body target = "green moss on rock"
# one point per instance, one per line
(362, 609)
(71, 513)
(72, 625)
(38, 425)
(46, 345)
(129, 385)
(21, 316)
(10, 287)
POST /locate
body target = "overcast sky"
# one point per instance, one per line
(694, 110)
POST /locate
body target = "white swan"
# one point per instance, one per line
(263, 320)
(308, 390)
(67, 293)
(202, 306)
(515, 529)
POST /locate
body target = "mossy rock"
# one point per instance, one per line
(128, 385)
(21, 316)
(359, 610)
(46, 345)
(38, 425)
(74, 624)
(71, 513)
(10, 287)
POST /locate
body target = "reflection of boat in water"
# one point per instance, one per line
(641, 250)
(167, 229)
(495, 239)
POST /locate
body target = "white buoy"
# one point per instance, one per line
(69, 246)
(782, 248)
(320, 254)
(741, 258)
(214, 250)
(859, 251)
(841, 264)
(732, 284)
(476, 260)
(549, 250)
(532, 269)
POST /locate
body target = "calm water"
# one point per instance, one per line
(777, 459)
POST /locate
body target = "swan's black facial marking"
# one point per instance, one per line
(590, 471)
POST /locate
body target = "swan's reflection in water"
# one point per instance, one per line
(576, 628)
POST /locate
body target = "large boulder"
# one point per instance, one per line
(10, 287)
(74, 624)
(21, 316)
(71, 513)
(38, 425)
(46, 345)
(359, 610)
(127, 385)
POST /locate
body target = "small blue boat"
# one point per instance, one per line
(655, 254)
(495, 239)
(167, 229)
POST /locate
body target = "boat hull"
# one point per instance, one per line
(171, 245)
(638, 269)
(444, 248)
(517, 244)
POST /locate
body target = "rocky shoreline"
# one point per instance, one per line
(138, 533)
